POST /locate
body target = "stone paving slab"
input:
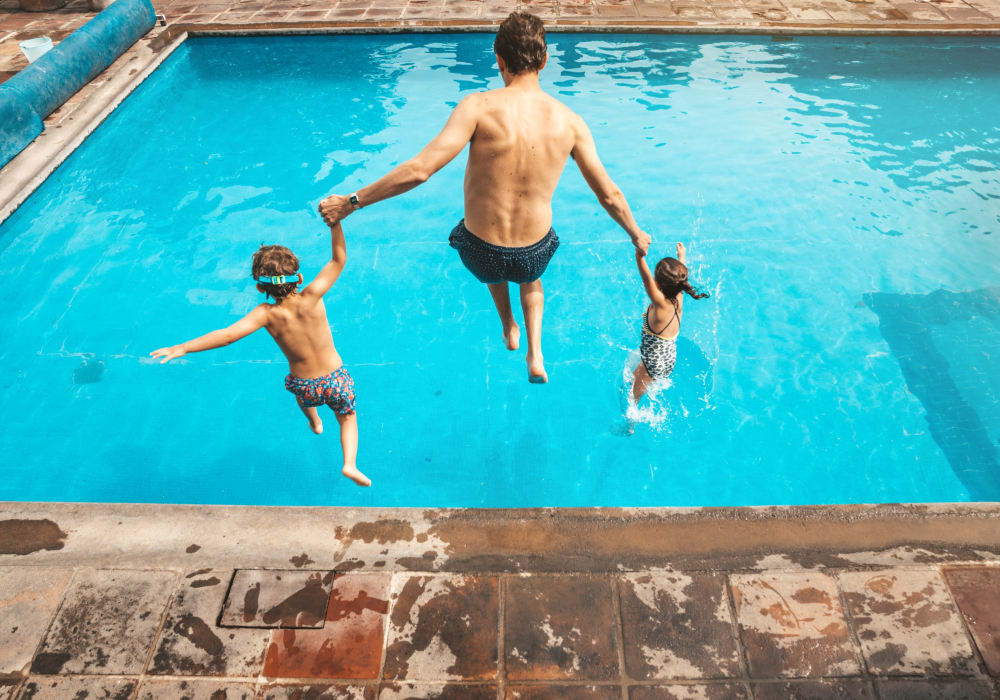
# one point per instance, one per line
(907, 623)
(436, 691)
(269, 598)
(563, 692)
(106, 623)
(195, 690)
(839, 689)
(9, 688)
(317, 692)
(191, 644)
(678, 626)
(443, 628)
(976, 591)
(937, 690)
(28, 600)
(716, 691)
(792, 624)
(350, 643)
(78, 689)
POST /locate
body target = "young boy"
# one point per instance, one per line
(297, 322)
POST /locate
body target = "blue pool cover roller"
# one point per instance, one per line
(38, 90)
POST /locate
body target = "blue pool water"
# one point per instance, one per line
(840, 199)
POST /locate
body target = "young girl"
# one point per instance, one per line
(662, 321)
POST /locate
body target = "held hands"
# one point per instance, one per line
(168, 354)
(334, 208)
(641, 242)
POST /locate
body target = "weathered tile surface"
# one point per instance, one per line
(350, 643)
(28, 600)
(678, 626)
(926, 689)
(191, 644)
(563, 692)
(715, 691)
(317, 692)
(976, 590)
(437, 691)
(841, 689)
(106, 623)
(77, 689)
(443, 628)
(277, 598)
(907, 623)
(792, 625)
(9, 688)
(560, 627)
(195, 690)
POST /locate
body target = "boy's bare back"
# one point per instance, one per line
(299, 326)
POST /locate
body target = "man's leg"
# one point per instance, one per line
(532, 303)
(511, 331)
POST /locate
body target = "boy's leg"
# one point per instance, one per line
(349, 445)
(640, 382)
(315, 423)
(511, 331)
(532, 304)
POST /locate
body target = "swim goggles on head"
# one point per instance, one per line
(280, 279)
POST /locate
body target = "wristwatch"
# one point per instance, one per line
(355, 202)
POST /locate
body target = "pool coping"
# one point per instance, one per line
(29, 169)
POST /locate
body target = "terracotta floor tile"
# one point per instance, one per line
(317, 692)
(191, 644)
(106, 623)
(907, 623)
(436, 691)
(926, 689)
(28, 600)
(792, 625)
(195, 690)
(977, 593)
(443, 628)
(350, 643)
(847, 689)
(715, 691)
(563, 692)
(77, 688)
(678, 626)
(277, 598)
(560, 627)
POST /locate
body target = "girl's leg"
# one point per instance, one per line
(349, 445)
(315, 423)
(640, 382)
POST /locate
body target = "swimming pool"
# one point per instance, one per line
(839, 198)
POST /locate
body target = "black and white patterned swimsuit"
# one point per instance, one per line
(658, 354)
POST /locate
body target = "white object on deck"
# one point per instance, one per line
(35, 48)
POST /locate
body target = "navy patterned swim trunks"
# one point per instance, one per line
(336, 390)
(492, 263)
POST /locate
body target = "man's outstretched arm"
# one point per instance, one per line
(446, 145)
(611, 198)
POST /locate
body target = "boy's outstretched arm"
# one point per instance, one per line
(655, 295)
(216, 339)
(331, 271)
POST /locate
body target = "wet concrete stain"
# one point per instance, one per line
(305, 607)
(191, 549)
(49, 664)
(199, 572)
(301, 561)
(213, 581)
(250, 602)
(382, 531)
(22, 537)
(195, 630)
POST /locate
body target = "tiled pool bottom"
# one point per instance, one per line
(170, 601)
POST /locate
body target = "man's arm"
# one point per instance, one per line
(216, 339)
(611, 198)
(331, 271)
(439, 152)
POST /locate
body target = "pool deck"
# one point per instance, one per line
(151, 601)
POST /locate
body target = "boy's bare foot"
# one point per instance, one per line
(512, 337)
(352, 473)
(536, 370)
(316, 424)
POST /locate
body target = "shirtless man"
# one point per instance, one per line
(520, 141)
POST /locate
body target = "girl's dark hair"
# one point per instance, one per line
(671, 276)
(520, 42)
(271, 260)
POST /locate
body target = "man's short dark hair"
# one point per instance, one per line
(520, 43)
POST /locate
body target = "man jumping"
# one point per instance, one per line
(520, 140)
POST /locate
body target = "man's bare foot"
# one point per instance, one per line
(316, 424)
(352, 473)
(512, 337)
(536, 370)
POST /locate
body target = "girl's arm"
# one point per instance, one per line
(655, 295)
(331, 271)
(216, 339)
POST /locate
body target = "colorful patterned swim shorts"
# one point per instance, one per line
(336, 390)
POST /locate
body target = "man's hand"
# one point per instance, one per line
(168, 354)
(639, 254)
(641, 242)
(681, 251)
(334, 208)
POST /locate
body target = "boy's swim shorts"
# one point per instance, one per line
(336, 390)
